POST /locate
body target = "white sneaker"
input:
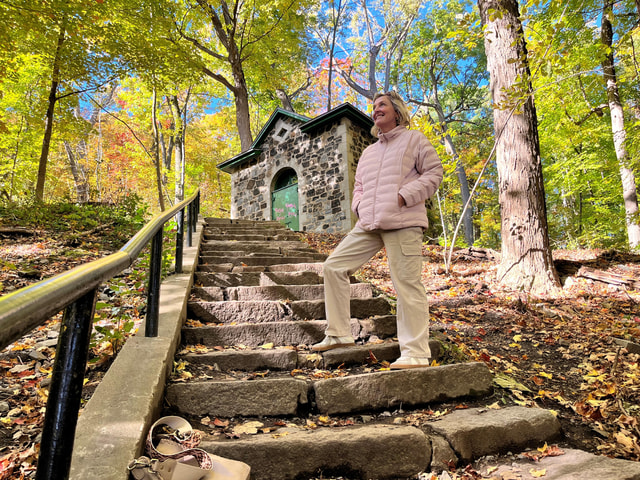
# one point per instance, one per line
(331, 342)
(410, 362)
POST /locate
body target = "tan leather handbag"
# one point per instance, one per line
(172, 454)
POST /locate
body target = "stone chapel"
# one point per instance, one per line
(301, 171)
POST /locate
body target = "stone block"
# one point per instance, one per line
(391, 389)
(253, 335)
(233, 398)
(247, 360)
(476, 432)
(367, 452)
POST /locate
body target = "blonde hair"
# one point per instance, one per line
(399, 106)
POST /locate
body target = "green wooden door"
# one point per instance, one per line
(284, 206)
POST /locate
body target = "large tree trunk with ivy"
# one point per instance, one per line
(526, 263)
(627, 174)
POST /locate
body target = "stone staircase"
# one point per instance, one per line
(247, 377)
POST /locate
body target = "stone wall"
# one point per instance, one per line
(324, 161)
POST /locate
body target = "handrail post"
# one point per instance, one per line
(180, 241)
(153, 295)
(190, 225)
(197, 202)
(65, 393)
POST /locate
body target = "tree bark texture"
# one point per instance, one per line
(527, 262)
(618, 131)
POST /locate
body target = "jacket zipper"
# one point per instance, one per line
(375, 192)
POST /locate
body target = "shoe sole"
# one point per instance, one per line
(332, 347)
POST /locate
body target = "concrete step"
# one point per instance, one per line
(246, 230)
(256, 334)
(254, 260)
(255, 237)
(277, 311)
(289, 358)
(374, 450)
(214, 221)
(257, 279)
(274, 292)
(284, 333)
(285, 267)
(268, 247)
(348, 394)
(363, 452)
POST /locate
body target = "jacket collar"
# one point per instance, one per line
(391, 134)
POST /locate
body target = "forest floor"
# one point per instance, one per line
(556, 353)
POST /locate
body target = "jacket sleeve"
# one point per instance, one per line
(427, 176)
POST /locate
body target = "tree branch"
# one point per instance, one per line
(124, 123)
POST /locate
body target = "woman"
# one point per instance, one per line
(394, 177)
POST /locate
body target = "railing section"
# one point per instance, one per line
(75, 292)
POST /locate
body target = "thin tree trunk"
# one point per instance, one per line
(156, 151)
(48, 125)
(337, 10)
(526, 263)
(179, 137)
(79, 179)
(9, 194)
(627, 175)
(467, 215)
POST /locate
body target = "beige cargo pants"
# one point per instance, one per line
(404, 251)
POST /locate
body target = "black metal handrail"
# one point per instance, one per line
(75, 292)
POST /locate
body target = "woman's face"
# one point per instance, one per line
(384, 116)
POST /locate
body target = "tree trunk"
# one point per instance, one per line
(79, 177)
(627, 175)
(226, 34)
(156, 151)
(337, 13)
(241, 99)
(48, 122)
(179, 137)
(526, 263)
(465, 193)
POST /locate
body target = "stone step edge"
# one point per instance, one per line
(273, 292)
(268, 311)
(315, 267)
(374, 391)
(290, 452)
(304, 332)
(257, 261)
(211, 275)
(288, 359)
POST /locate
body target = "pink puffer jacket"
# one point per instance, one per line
(401, 162)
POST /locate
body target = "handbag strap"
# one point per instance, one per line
(177, 445)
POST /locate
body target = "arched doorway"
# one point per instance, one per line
(284, 198)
